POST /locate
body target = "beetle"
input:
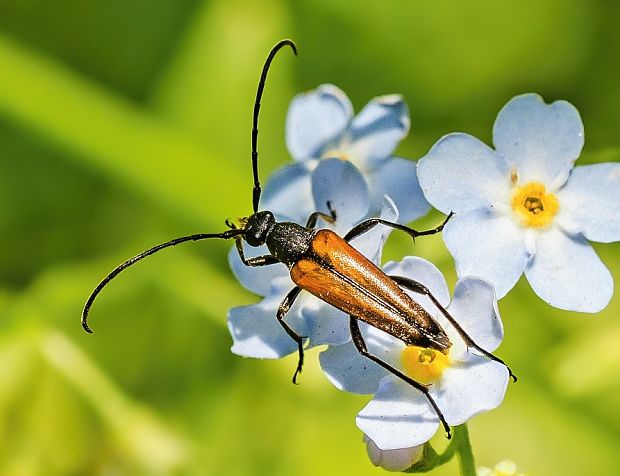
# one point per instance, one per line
(327, 266)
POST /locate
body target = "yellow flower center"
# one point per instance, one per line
(535, 207)
(424, 365)
(335, 154)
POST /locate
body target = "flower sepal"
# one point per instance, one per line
(430, 460)
(459, 445)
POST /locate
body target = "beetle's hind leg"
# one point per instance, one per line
(284, 307)
(372, 222)
(360, 344)
(419, 288)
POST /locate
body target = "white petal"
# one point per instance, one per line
(398, 417)
(393, 460)
(256, 279)
(475, 309)
(325, 323)
(383, 345)
(541, 140)
(398, 178)
(342, 184)
(377, 129)
(370, 244)
(488, 245)
(257, 333)
(351, 371)
(460, 173)
(424, 272)
(288, 192)
(348, 370)
(469, 388)
(567, 273)
(590, 202)
(315, 119)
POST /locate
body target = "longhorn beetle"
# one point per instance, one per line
(327, 266)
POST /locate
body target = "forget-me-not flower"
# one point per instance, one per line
(254, 328)
(462, 382)
(320, 125)
(523, 207)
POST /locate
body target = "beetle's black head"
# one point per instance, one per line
(257, 227)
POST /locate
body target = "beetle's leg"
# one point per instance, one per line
(285, 305)
(331, 218)
(311, 223)
(372, 222)
(358, 340)
(255, 261)
(419, 288)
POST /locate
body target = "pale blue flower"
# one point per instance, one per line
(396, 460)
(320, 125)
(254, 328)
(400, 416)
(523, 208)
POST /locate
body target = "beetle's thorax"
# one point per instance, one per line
(288, 242)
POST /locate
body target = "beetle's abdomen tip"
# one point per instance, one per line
(443, 343)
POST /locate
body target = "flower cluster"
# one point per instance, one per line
(518, 208)
(344, 164)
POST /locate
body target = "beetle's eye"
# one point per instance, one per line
(255, 232)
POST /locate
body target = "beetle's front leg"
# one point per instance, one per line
(360, 344)
(264, 260)
(419, 288)
(284, 307)
(372, 222)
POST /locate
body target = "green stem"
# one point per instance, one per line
(464, 452)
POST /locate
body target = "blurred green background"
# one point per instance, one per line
(126, 123)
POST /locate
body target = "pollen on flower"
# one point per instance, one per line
(424, 365)
(534, 206)
(514, 176)
(335, 154)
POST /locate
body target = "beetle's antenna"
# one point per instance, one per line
(144, 254)
(259, 94)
